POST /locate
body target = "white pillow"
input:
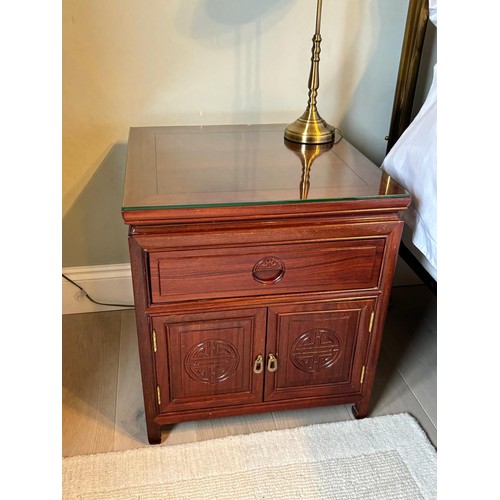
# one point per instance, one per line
(433, 12)
(412, 162)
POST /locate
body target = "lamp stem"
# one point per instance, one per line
(319, 6)
(310, 128)
(314, 72)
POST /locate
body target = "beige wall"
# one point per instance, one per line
(168, 62)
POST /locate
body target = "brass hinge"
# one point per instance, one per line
(372, 317)
(158, 395)
(362, 374)
(155, 348)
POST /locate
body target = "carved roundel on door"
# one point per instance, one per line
(316, 350)
(211, 361)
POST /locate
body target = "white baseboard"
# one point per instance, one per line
(111, 284)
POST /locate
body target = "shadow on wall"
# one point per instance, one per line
(227, 16)
(237, 26)
(93, 231)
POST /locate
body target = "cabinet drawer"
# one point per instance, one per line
(265, 269)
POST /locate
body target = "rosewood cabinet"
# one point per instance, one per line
(261, 270)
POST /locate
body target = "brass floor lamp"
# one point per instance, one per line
(310, 128)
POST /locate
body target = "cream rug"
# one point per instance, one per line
(376, 458)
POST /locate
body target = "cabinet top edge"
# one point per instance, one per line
(236, 167)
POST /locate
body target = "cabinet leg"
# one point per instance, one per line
(360, 409)
(154, 434)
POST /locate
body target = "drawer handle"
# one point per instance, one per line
(258, 366)
(268, 270)
(272, 363)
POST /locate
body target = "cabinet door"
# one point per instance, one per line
(207, 360)
(319, 349)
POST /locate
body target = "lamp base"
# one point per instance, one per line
(310, 128)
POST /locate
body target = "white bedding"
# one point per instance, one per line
(412, 162)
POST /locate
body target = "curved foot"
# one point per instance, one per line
(359, 411)
(154, 435)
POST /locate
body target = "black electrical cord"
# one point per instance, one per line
(85, 294)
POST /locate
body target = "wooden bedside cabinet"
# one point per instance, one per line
(261, 270)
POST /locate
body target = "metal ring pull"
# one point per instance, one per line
(272, 363)
(258, 366)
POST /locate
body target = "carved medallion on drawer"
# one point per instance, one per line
(268, 270)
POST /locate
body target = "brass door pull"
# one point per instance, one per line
(258, 366)
(272, 363)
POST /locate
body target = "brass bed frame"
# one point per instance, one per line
(411, 54)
